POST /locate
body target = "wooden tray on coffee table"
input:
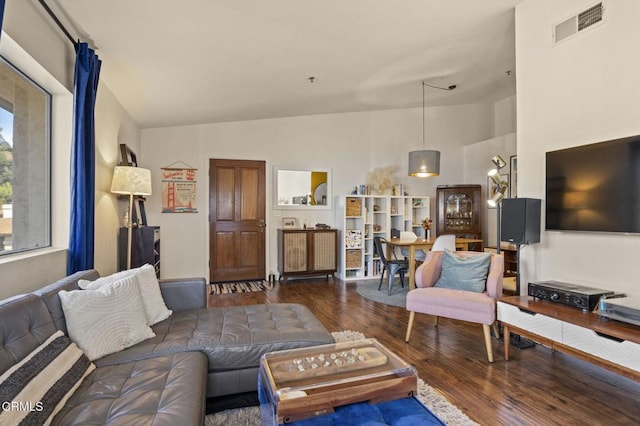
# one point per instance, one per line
(312, 381)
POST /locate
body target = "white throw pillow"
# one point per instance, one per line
(154, 306)
(106, 320)
(102, 281)
(151, 296)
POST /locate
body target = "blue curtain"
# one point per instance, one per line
(1, 13)
(83, 167)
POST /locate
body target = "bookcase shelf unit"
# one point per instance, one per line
(363, 217)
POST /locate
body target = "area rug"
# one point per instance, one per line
(430, 397)
(239, 287)
(369, 290)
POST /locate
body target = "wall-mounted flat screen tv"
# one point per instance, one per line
(594, 187)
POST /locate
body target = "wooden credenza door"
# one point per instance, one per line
(307, 252)
(236, 220)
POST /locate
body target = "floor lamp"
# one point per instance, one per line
(131, 181)
(499, 187)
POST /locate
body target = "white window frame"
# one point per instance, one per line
(61, 133)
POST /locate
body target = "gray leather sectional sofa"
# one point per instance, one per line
(197, 353)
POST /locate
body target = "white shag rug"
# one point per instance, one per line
(431, 398)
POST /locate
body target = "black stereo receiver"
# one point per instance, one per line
(578, 296)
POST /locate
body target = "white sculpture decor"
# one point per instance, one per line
(381, 179)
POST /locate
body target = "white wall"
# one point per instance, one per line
(580, 91)
(505, 117)
(32, 42)
(477, 160)
(27, 271)
(113, 127)
(28, 24)
(350, 144)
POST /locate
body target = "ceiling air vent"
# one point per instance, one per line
(578, 22)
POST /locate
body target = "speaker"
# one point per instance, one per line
(520, 221)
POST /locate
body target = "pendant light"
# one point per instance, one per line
(424, 162)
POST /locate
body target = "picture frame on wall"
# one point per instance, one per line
(513, 172)
(491, 188)
(289, 222)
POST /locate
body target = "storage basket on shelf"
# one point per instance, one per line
(354, 206)
(354, 259)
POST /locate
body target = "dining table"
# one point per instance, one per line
(421, 244)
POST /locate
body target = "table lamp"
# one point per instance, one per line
(128, 180)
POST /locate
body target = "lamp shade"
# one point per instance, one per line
(424, 163)
(498, 162)
(499, 186)
(131, 181)
(496, 199)
(496, 178)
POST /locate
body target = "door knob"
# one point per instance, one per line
(261, 225)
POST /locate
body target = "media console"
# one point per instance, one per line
(608, 343)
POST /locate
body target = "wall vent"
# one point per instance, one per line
(590, 17)
(578, 22)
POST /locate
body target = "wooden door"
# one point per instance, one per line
(236, 220)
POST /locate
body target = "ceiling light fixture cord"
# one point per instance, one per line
(424, 162)
(453, 86)
(423, 132)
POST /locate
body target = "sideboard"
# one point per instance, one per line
(608, 343)
(307, 252)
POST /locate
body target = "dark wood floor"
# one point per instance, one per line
(535, 387)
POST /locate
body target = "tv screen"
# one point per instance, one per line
(594, 187)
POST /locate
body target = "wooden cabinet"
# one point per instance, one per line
(145, 247)
(509, 285)
(610, 344)
(307, 252)
(363, 217)
(458, 210)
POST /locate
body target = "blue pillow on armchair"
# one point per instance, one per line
(464, 273)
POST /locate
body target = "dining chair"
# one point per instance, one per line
(411, 236)
(458, 299)
(392, 266)
(444, 242)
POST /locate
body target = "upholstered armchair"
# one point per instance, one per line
(478, 306)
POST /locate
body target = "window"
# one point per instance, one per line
(25, 111)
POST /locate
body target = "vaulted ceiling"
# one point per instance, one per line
(202, 61)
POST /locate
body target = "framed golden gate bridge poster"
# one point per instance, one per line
(179, 189)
